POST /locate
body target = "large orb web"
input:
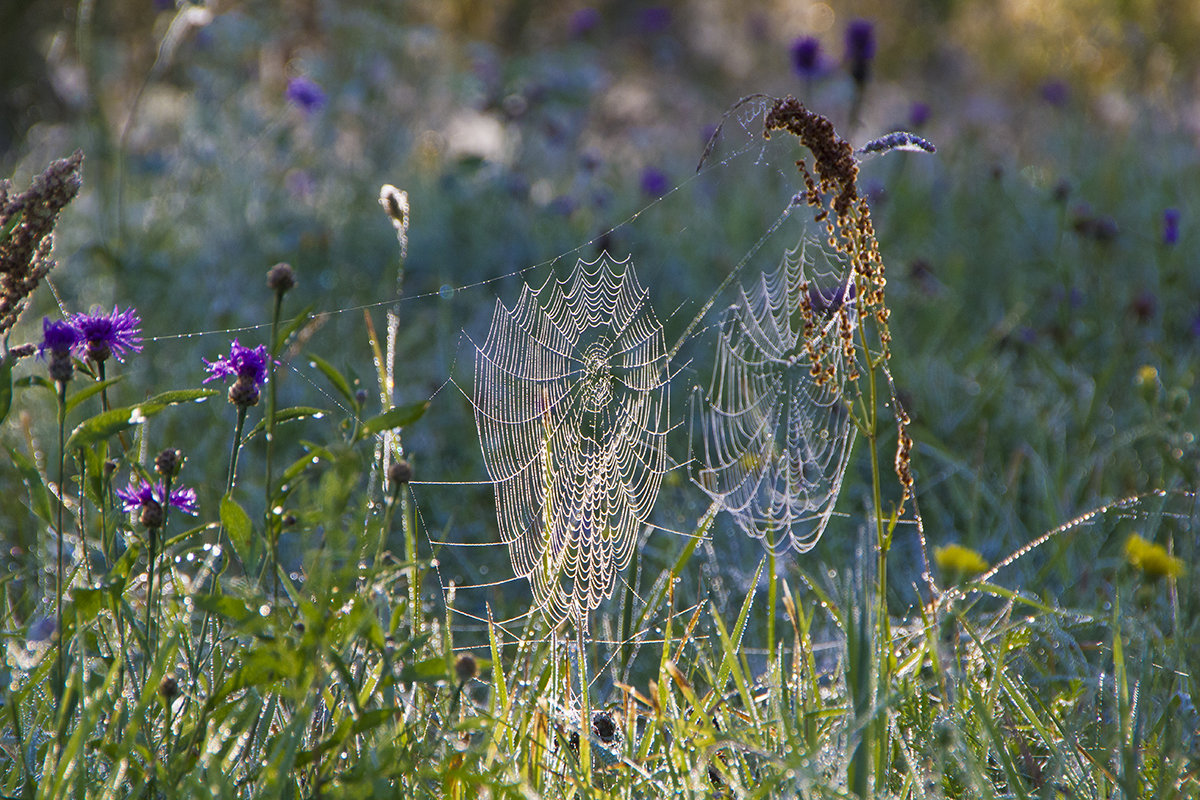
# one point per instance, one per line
(776, 439)
(570, 400)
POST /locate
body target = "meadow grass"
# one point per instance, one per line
(303, 636)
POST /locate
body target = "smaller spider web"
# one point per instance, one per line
(570, 401)
(777, 438)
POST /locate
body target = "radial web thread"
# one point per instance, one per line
(570, 400)
(777, 440)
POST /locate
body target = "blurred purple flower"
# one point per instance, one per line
(244, 363)
(1194, 328)
(806, 57)
(163, 5)
(583, 22)
(654, 19)
(918, 114)
(111, 334)
(1056, 92)
(1170, 226)
(654, 182)
(860, 48)
(138, 495)
(305, 93)
(59, 337)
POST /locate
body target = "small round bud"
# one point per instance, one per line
(244, 393)
(400, 473)
(152, 513)
(465, 667)
(169, 688)
(98, 350)
(281, 277)
(360, 397)
(168, 462)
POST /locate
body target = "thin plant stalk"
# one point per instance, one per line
(272, 523)
(60, 678)
(236, 449)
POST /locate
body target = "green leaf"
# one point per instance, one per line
(396, 417)
(177, 396)
(296, 323)
(91, 390)
(237, 525)
(6, 388)
(93, 464)
(336, 378)
(104, 425)
(39, 496)
(287, 415)
(431, 670)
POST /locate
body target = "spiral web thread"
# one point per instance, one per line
(777, 439)
(570, 400)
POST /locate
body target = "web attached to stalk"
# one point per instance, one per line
(570, 400)
(777, 430)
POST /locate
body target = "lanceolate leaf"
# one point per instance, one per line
(396, 417)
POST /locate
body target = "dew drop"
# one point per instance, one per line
(264, 610)
(446, 292)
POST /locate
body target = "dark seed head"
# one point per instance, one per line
(400, 473)
(281, 277)
(465, 667)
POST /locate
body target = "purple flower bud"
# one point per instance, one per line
(1170, 226)
(1056, 92)
(806, 57)
(305, 93)
(583, 22)
(860, 48)
(654, 182)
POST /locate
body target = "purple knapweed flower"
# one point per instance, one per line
(112, 334)
(249, 367)
(59, 337)
(249, 363)
(1170, 226)
(305, 93)
(860, 48)
(149, 499)
(806, 57)
(654, 182)
(583, 22)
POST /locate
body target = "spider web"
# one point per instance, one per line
(776, 439)
(570, 401)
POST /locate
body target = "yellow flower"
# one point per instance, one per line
(1151, 558)
(959, 562)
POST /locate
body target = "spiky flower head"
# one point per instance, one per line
(59, 337)
(248, 365)
(111, 334)
(150, 498)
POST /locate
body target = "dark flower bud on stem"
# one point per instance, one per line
(169, 688)
(465, 667)
(400, 473)
(152, 514)
(281, 278)
(168, 462)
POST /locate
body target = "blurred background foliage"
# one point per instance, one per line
(1031, 283)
